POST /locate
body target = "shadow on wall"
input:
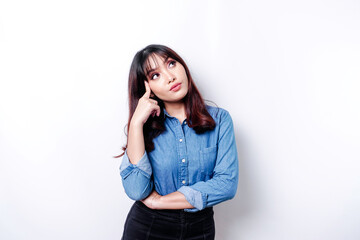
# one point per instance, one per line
(230, 214)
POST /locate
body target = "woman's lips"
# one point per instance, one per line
(176, 87)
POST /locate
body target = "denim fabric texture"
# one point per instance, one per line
(203, 167)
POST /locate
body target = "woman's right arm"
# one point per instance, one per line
(146, 107)
(135, 168)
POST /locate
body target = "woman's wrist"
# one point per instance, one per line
(136, 124)
(158, 202)
(175, 200)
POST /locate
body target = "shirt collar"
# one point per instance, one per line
(166, 113)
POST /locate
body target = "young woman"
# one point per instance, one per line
(180, 158)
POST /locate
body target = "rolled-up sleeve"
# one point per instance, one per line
(136, 178)
(223, 185)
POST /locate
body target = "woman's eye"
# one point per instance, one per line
(154, 76)
(172, 63)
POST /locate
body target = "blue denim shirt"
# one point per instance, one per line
(203, 167)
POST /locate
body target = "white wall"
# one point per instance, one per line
(287, 71)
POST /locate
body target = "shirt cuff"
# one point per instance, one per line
(144, 165)
(194, 197)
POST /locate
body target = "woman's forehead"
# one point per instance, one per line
(153, 61)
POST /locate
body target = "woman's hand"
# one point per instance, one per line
(175, 200)
(152, 201)
(145, 107)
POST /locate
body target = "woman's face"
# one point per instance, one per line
(167, 79)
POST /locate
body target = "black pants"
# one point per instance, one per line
(143, 223)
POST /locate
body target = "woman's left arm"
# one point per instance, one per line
(221, 187)
(175, 200)
(223, 184)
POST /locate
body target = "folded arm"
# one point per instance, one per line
(223, 184)
(221, 187)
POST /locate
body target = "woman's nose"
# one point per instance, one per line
(171, 77)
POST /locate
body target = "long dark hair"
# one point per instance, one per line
(197, 115)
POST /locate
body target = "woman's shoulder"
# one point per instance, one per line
(217, 112)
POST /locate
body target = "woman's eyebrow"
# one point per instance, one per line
(165, 60)
(150, 71)
(153, 69)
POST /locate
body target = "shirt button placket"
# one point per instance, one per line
(184, 170)
(182, 153)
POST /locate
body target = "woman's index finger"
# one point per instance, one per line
(147, 89)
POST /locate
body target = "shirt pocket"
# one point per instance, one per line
(207, 161)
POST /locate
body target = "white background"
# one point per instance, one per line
(287, 71)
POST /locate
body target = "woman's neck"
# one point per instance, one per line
(176, 110)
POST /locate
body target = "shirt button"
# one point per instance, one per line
(183, 181)
(184, 122)
(180, 139)
(183, 160)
